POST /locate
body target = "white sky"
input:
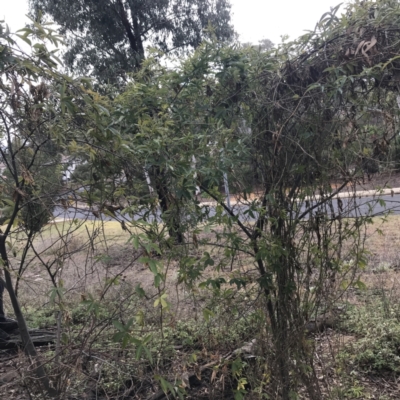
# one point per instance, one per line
(13, 12)
(253, 19)
(270, 19)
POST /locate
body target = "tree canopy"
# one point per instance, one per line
(108, 38)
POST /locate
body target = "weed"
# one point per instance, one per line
(378, 328)
(40, 318)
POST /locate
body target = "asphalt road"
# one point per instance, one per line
(351, 207)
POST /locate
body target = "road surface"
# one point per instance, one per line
(351, 207)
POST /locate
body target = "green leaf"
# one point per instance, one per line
(135, 241)
(164, 303)
(119, 326)
(140, 291)
(313, 86)
(208, 314)
(118, 337)
(64, 338)
(139, 350)
(140, 318)
(384, 66)
(360, 285)
(103, 110)
(25, 39)
(148, 354)
(157, 280)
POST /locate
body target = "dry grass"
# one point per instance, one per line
(383, 245)
(100, 251)
(383, 240)
(93, 251)
(81, 255)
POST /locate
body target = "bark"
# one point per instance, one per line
(28, 345)
(127, 26)
(172, 221)
(2, 287)
(133, 33)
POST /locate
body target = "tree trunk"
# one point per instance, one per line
(171, 219)
(29, 347)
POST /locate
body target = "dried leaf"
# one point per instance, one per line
(18, 192)
(214, 375)
(197, 372)
(369, 45)
(360, 45)
(185, 380)
(27, 176)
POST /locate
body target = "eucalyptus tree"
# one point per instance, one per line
(108, 39)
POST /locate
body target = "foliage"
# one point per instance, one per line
(42, 118)
(297, 123)
(107, 39)
(41, 318)
(292, 116)
(376, 325)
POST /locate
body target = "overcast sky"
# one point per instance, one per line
(270, 19)
(253, 19)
